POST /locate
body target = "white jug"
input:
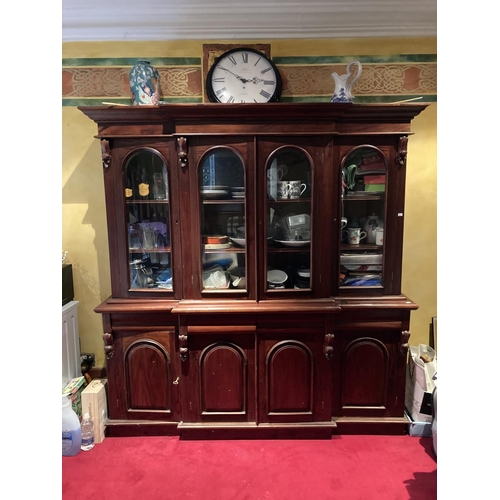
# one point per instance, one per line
(370, 224)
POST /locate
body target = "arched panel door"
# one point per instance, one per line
(294, 373)
(364, 172)
(148, 219)
(290, 377)
(223, 374)
(289, 173)
(223, 195)
(148, 389)
(365, 369)
(220, 369)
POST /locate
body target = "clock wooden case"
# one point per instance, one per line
(239, 307)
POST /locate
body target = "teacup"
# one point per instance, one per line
(355, 235)
(296, 188)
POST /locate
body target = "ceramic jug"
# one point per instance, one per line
(370, 224)
(345, 83)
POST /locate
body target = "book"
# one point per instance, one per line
(73, 389)
(374, 188)
(372, 167)
(374, 179)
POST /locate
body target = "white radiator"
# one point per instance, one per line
(71, 364)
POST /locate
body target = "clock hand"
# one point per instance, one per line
(256, 80)
(244, 80)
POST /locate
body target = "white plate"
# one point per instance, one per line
(276, 276)
(294, 243)
(214, 193)
(238, 241)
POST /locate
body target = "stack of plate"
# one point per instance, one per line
(238, 192)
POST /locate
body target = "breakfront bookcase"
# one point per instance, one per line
(242, 304)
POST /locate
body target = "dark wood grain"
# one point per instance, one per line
(256, 362)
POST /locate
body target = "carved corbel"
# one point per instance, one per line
(405, 336)
(109, 348)
(183, 347)
(182, 152)
(328, 345)
(402, 151)
(105, 153)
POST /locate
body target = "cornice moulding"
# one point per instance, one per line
(93, 21)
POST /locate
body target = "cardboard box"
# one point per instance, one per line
(94, 402)
(74, 389)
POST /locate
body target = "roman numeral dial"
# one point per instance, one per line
(243, 75)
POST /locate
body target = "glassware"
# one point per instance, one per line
(148, 238)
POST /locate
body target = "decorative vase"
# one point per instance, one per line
(345, 83)
(144, 84)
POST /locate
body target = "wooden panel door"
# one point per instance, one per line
(294, 374)
(371, 375)
(144, 376)
(219, 377)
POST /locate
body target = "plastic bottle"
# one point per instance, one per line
(71, 430)
(87, 433)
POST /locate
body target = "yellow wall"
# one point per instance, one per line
(84, 233)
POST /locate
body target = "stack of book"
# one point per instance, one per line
(374, 182)
(372, 171)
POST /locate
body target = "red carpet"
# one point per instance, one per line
(349, 467)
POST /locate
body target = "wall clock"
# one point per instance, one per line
(243, 75)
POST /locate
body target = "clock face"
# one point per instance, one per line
(243, 75)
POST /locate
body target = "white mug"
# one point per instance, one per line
(296, 188)
(355, 235)
(379, 237)
(283, 189)
(343, 222)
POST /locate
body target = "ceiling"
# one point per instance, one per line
(130, 20)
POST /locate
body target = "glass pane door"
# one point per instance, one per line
(289, 219)
(223, 227)
(364, 171)
(148, 221)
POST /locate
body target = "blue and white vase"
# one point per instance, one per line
(144, 84)
(345, 83)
